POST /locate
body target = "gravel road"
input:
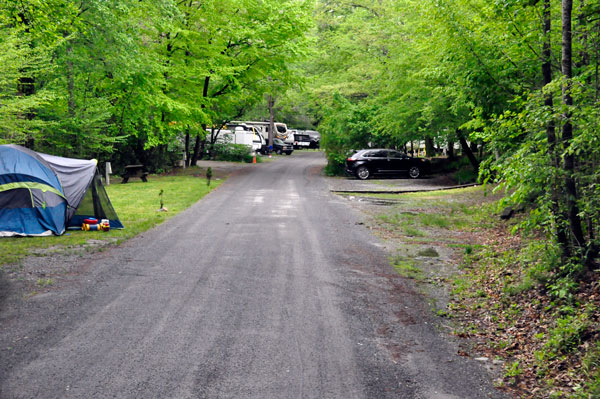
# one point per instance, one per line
(270, 287)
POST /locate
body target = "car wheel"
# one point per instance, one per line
(414, 172)
(279, 152)
(288, 153)
(363, 173)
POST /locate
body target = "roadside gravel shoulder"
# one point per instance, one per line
(428, 257)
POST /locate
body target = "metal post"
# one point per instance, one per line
(108, 172)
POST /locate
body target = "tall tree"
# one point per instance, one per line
(555, 206)
(567, 130)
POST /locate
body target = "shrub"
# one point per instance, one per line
(466, 175)
(336, 163)
(232, 152)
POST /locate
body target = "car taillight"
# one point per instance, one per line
(350, 159)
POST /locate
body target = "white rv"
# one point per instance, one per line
(238, 134)
(281, 130)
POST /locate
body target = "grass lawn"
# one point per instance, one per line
(136, 204)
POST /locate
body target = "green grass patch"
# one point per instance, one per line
(461, 286)
(413, 232)
(45, 282)
(429, 253)
(391, 218)
(136, 204)
(435, 220)
(406, 268)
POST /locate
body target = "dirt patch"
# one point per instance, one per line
(352, 184)
(50, 269)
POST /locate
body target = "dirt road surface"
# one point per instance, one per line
(270, 287)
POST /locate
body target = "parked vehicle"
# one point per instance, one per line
(315, 138)
(366, 163)
(248, 135)
(240, 135)
(281, 130)
(301, 140)
(279, 146)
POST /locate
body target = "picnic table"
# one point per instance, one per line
(134, 171)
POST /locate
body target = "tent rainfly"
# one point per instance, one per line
(43, 194)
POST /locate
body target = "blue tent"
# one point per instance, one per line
(43, 194)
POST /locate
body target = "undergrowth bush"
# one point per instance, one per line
(591, 369)
(466, 175)
(567, 335)
(335, 164)
(232, 153)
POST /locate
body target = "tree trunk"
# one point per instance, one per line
(473, 146)
(567, 130)
(26, 84)
(70, 83)
(557, 215)
(450, 150)
(467, 151)
(77, 141)
(429, 147)
(198, 139)
(202, 147)
(187, 146)
(196, 153)
(271, 103)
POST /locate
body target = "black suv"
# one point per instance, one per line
(366, 163)
(280, 147)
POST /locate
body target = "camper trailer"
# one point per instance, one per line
(281, 130)
(241, 134)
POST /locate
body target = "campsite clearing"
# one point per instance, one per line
(195, 308)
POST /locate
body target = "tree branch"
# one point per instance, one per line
(355, 5)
